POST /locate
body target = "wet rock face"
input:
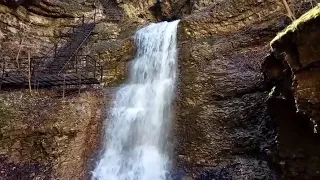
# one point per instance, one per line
(222, 117)
(241, 169)
(295, 99)
(47, 137)
(223, 126)
(301, 52)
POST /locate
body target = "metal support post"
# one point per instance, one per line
(2, 74)
(55, 50)
(79, 83)
(64, 86)
(82, 20)
(101, 74)
(95, 68)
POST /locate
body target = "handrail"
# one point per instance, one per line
(55, 61)
(73, 54)
(83, 58)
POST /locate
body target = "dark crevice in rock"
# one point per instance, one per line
(290, 54)
(295, 138)
(183, 8)
(24, 170)
(275, 69)
(43, 8)
(46, 9)
(239, 94)
(178, 9)
(313, 65)
(278, 75)
(12, 3)
(297, 152)
(156, 10)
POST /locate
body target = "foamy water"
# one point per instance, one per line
(138, 133)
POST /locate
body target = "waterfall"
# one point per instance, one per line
(138, 134)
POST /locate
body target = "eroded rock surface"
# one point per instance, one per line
(45, 136)
(231, 122)
(295, 97)
(224, 130)
(36, 25)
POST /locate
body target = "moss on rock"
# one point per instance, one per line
(297, 24)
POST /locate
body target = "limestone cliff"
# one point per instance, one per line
(46, 137)
(35, 25)
(227, 126)
(223, 128)
(232, 121)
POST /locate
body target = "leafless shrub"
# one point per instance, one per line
(288, 9)
(295, 8)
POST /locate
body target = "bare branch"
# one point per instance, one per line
(289, 12)
(29, 72)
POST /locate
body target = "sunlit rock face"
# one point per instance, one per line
(223, 17)
(223, 128)
(47, 137)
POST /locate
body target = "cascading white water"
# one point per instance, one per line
(138, 136)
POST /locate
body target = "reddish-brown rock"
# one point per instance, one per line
(44, 136)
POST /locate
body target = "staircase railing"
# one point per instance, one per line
(77, 49)
(58, 60)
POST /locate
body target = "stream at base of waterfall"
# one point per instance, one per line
(138, 138)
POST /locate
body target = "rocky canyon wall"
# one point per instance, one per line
(228, 125)
(293, 70)
(235, 110)
(223, 127)
(44, 136)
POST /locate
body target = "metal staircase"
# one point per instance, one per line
(61, 66)
(70, 50)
